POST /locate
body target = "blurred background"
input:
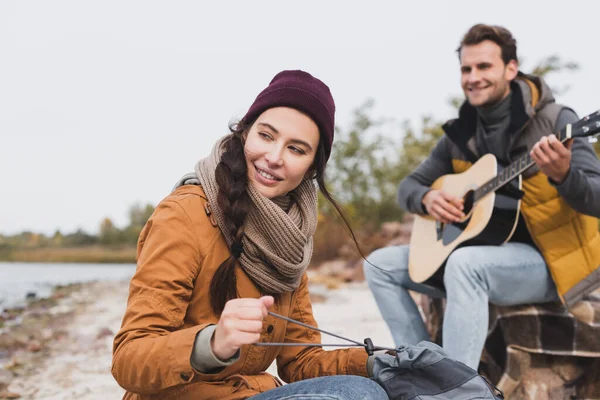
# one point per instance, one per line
(105, 104)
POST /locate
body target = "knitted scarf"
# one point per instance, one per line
(278, 233)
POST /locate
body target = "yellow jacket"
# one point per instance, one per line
(569, 241)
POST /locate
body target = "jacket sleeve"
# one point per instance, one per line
(152, 350)
(414, 186)
(581, 187)
(297, 363)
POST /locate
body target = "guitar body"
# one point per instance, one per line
(491, 220)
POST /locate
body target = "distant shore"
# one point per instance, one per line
(87, 254)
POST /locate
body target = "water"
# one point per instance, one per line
(18, 279)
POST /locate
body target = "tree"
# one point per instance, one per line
(554, 64)
(359, 170)
(80, 238)
(138, 216)
(57, 239)
(416, 147)
(109, 233)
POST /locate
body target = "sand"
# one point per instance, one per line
(79, 367)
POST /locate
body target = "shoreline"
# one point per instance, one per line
(74, 334)
(24, 285)
(84, 254)
(36, 333)
(19, 323)
(73, 353)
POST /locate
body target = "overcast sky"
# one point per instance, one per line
(107, 103)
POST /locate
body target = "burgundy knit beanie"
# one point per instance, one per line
(300, 90)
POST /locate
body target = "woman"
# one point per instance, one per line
(231, 242)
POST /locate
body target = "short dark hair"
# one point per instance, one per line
(497, 34)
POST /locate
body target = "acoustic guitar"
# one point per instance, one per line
(491, 209)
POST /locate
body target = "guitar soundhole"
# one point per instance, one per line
(468, 202)
(449, 232)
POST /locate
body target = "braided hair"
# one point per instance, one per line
(232, 179)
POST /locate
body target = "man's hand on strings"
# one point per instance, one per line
(443, 206)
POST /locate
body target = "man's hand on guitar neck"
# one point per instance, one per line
(552, 157)
(443, 206)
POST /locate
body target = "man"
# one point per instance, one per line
(555, 251)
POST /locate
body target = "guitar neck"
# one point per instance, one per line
(503, 177)
(580, 128)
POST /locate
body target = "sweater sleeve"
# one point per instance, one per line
(417, 184)
(581, 187)
(203, 359)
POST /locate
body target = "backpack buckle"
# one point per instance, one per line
(369, 347)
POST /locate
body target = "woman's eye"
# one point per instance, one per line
(297, 150)
(265, 136)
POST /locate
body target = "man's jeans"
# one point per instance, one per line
(511, 274)
(336, 387)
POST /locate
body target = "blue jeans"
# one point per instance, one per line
(336, 387)
(507, 275)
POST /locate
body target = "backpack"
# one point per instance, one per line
(425, 372)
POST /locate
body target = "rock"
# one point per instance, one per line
(34, 346)
(5, 394)
(329, 282)
(589, 386)
(408, 218)
(354, 273)
(347, 251)
(6, 378)
(103, 332)
(13, 364)
(391, 229)
(332, 268)
(567, 370)
(536, 376)
(400, 240)
(46, 334)
(60, 309)
(541, 381)
(317, 298)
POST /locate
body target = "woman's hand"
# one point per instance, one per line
(241, 323)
